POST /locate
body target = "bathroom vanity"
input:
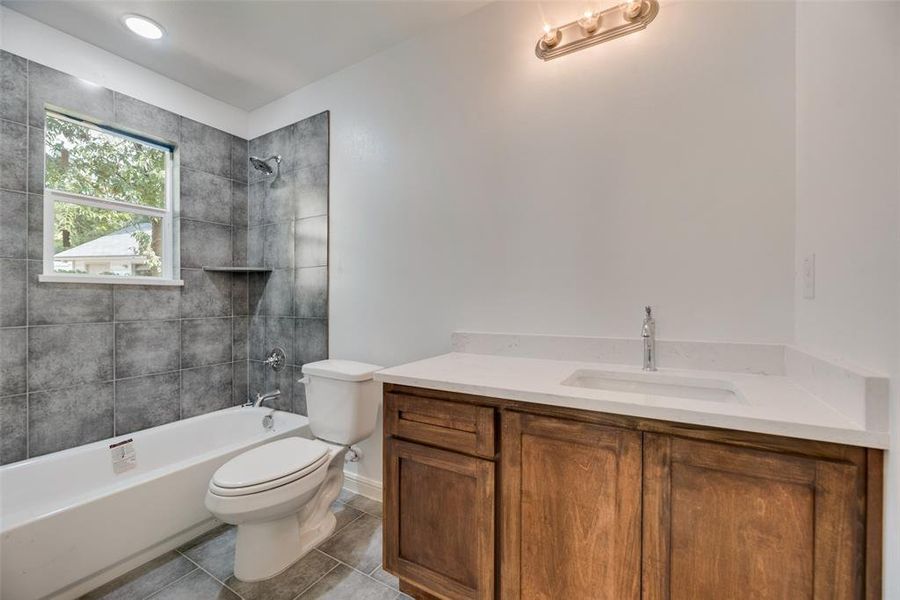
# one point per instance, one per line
(578, 489)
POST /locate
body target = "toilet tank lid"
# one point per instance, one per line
(346, 370)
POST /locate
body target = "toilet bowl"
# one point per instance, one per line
(279, 494)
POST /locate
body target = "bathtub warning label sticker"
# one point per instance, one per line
(123, 456)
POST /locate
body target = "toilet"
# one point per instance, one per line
(279, 494)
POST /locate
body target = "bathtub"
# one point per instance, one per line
(69, 522)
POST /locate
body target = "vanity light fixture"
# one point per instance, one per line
(594, 28)
(144, 27)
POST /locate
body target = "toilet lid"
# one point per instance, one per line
(273, 461)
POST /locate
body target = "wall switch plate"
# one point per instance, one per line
(809, 277)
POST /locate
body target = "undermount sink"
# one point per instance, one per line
(655, 384)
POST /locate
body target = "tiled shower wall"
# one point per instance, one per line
(80, 363)
(288, 232)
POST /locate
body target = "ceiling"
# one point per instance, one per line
(247, 53)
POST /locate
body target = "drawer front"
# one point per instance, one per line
(456, 426)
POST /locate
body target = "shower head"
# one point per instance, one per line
(262, 164)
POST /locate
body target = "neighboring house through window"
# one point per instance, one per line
(108, 205)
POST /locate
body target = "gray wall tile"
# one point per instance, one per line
(205, 244)
(311, 242)
(283, 382)
(60, 303)
(13, 357)
(240, 377)
(49, 86)
(13, 152)
(312, 191)
(206, 294)
(149, 401)
(13, 224)
(240, 288)
(239, 159)
(278, 245)
(13, 283)
(239, 247)
(311, 141)
(146, 347)
(239, 204)
(277, 198)
(205, 197)
(35, 226)
(311, 292)
(141, 303)
(13, 428)
(205, 148)
(143, 118)
(35, 160)
(205, 342)
(277, 297)
(258, 349)
(65, 355)
(13, 87)
(206, 389)
(259, 373)
(256, 246)
(61, 419)
(240, 338)
(310, 340)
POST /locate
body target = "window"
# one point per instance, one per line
(108, 205)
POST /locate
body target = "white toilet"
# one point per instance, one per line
(279, 494)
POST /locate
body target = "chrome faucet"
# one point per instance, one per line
(260, 398)
(648, 335)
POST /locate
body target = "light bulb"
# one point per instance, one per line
(589, 22)
(633, 9)
(551, 36)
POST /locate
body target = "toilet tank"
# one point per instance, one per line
(341, 400)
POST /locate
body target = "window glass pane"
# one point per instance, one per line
(84, 160)
(98, 241)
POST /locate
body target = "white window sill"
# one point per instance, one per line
(111, 279)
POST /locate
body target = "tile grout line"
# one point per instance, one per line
(351, 567)
(219, 581)
(171, 583)
(27, 235)
(324, 575)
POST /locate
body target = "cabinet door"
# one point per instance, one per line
(728, 522)
(571, 510)
(439, 520)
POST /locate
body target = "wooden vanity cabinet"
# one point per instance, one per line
(571, 517)
(489, 498)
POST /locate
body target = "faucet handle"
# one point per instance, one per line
(648, 310)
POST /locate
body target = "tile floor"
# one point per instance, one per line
(346, 566)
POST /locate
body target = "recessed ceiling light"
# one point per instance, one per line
(143, 26)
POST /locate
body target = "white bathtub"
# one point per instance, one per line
(68, 523)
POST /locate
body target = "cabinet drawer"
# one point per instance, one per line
(453, 425)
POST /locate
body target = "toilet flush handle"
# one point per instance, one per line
(304, 380)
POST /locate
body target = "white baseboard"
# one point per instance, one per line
(363, 486)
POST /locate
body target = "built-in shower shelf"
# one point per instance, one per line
(239, 269)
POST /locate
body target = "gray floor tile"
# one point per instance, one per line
(196, 586)
(386, 578)
(145, 580)
(344, 515)
(288, 584)
(344, 583)
(366, 505)
(358, 544)
(214, 551)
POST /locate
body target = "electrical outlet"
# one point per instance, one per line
(809, 277)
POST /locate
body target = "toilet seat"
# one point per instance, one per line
(269, 466)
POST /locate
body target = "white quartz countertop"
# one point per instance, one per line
(775, 405)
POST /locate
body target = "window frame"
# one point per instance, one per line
(170, 274)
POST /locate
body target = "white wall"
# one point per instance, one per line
(848, 201)
(35, 41)
(476, 187)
